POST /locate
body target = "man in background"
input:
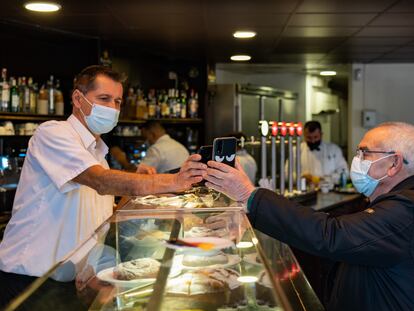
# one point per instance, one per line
(319, 158)
(164, 154)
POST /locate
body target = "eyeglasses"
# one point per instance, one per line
(360, 153)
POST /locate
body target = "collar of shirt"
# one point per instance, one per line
(162, 138)
(87, 138)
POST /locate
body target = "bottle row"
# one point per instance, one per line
(160, 104)
(21, 95)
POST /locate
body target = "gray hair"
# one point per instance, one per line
(401, 139)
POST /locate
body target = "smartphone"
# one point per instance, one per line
(206, 153)
(224, 150)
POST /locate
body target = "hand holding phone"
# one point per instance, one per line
(224, 150)
(206, 153)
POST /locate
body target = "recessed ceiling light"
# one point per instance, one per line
(244, 34)
(43, 6)
(328, 73)
(241, 58)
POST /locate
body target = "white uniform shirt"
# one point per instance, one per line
(328, 160)
(248, 164)
(52, 215)
(166, 154)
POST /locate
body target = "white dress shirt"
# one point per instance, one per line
(166, 154)
(328, 160)
(248, 164)
(52, 215)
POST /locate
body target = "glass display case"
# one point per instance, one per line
(182, 259)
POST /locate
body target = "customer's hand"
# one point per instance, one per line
(233, 182)
(146, 169)
(191, 172)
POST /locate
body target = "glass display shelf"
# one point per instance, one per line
(134, 262)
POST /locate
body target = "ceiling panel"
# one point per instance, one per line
(319, 31)
(325, 29)
(378, 41)
(341, 6)
(245, 21)
(249, 6)
(403, 6)
(394, 19)
(386, 32)
(320, 20)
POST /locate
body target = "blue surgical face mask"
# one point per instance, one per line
(362, 182)
(102, 119)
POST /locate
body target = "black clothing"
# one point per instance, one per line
(375, 247)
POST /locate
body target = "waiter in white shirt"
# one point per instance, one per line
(66, 187)
(164, 154)
(319, 158)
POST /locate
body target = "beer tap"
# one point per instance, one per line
(291, 130)
(299, 131)
(283, 132)
(264, 131)
(274, 133)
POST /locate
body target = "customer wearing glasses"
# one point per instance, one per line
(374, 249)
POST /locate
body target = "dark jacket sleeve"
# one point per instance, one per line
(381, 238)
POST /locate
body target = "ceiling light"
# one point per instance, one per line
(43, 6)
(328, 73)
(244, 34)
(240, 58)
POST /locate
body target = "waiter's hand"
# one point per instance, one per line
(233, 182)
(146, 169)
(191, 172)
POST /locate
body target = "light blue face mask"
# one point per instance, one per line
(102, 119)
(362, 182)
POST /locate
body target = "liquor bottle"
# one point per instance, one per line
(177, 109)
(20, 90)
(33, 95)
(193, 105)
(15, 96)
(183, 114)
(158, 101)
(24, 96)
(165, 111)
(130, 103)
(59, 103)
(152, 104)
(5, 92)
(171, 103)
(142, 109)
(42, 101)
(51, 96)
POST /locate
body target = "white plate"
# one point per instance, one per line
(251, 259)
(107, 275)
(232, 260)
(219, 243)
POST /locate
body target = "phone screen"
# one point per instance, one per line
(224, 150)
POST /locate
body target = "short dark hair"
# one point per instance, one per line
(312, 126)
(152, 124)
(84, 81)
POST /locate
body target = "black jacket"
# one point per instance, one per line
(375, 247)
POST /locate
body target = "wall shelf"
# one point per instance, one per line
(187, 121)
(10, 116)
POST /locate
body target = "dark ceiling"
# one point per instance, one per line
(307, 31)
